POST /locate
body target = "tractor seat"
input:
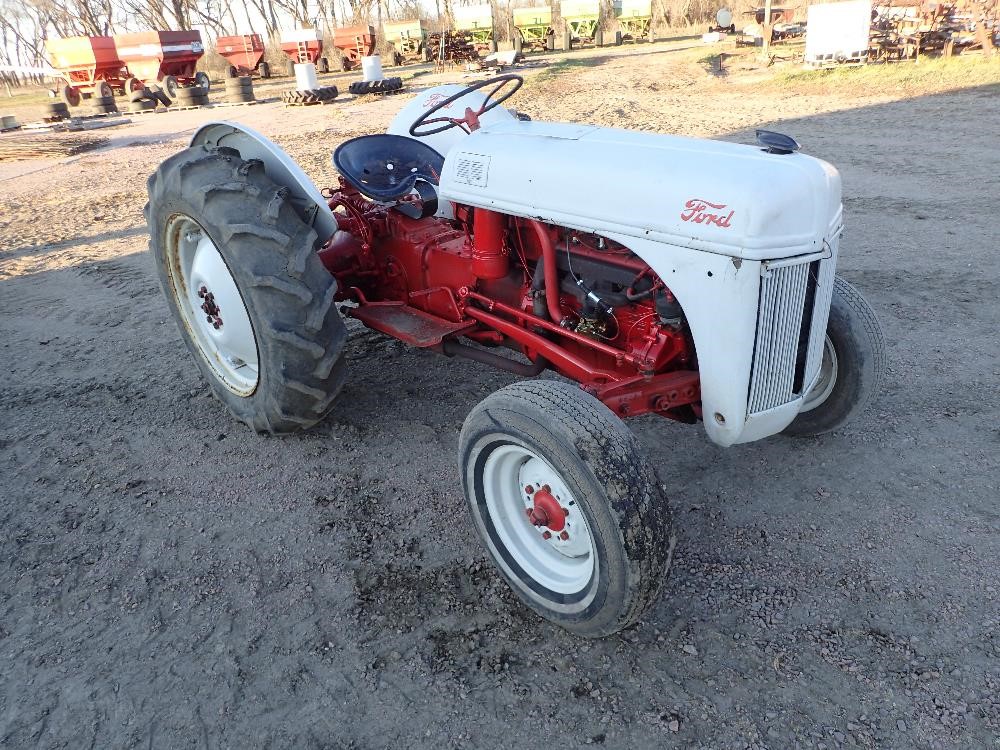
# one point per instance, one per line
(386, 167)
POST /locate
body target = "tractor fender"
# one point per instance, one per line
(278, 165)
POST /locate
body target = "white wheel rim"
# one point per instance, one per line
(827, 378)
(563, 565)
(223, 333)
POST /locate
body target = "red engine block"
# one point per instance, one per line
(500, 280)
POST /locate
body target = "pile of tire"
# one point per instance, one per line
(146, 99)
(56, 111)
(239, 90)
(385, 86)
(103, 105)
(310, 96)
(191, 96)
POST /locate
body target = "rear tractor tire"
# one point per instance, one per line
(252, 299)
(852, 369)
(567, 506)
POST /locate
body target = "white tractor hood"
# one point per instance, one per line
(708, 195)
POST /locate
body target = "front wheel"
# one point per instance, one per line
(202, 80)
(852, 368)
(567, 506)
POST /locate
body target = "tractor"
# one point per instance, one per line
(636, 273)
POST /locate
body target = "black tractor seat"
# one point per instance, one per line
(387, 167)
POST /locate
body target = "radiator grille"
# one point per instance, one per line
(821, 306)
(777, 350)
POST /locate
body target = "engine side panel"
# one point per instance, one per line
(719, 298)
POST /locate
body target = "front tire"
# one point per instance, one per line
(567, 506)
(852, 369)
(251, 297)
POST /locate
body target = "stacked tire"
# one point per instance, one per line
(191, 96)
(56, 111)
(385, 86)
(146, 99)
(140, 104)
(310, 96)
(239, 90)
(103, 105)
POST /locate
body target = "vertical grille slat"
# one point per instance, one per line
(821, 313)
(780, 319)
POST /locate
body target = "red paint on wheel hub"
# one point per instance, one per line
(546, 510)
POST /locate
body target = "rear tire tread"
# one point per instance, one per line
(233, 193)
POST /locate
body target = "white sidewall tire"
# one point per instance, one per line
(568, 603)
(600, 463)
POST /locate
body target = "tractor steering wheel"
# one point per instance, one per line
(470, 120)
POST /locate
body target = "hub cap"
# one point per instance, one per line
(538, 520)
(211, 305)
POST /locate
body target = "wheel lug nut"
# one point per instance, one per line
(564, 535)
(547, 535)
(565, 511)
(529, 489)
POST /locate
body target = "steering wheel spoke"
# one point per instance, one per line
(470, 120)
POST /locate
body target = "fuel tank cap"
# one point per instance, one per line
(776, 143)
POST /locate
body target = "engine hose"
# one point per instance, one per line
(453, 348)
(632, 295)
(551, 272)
(538, 306)
(637, 296)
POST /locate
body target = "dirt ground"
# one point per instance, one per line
(169, 579)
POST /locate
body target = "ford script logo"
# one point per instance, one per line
(705, 212)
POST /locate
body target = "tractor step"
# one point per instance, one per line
(406, 323)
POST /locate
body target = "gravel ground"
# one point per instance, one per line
(168, 579)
